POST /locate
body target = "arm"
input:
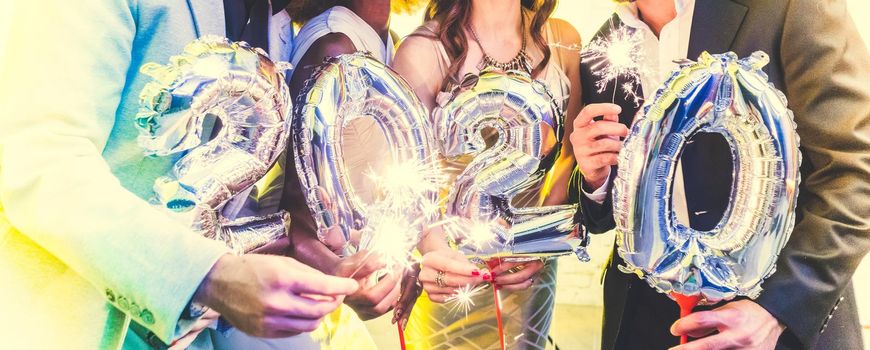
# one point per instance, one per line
(416, 60)
(61, 87)
(372, 300)
(826, 73)
(596, 205)
(560, 177)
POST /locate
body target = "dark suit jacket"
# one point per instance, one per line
(819, 61)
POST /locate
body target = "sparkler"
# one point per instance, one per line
(618, 55)
(463, 298)
(407, 202)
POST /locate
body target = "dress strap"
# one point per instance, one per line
(427, 30)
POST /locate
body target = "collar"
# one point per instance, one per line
(628, 14)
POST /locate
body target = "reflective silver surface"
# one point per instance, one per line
(225, 108)
(365, 157)
(508, 129)
(732, 97)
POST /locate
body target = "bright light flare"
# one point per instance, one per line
(618, 55)
(463, 298)
(406, 202)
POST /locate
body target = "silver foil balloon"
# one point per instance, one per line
(224, 109)
(717, 94)
(364, 155)
(511, 128)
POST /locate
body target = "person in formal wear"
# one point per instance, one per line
(84, 257)
(821, 64)
(458, 38)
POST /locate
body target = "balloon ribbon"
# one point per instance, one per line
(401, 335)
(686, 303)
(497, 302)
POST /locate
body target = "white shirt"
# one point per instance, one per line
(340, 19)
(660, 52)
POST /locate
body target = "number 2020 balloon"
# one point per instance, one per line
(731, 97)
(245, 91)
(528, 126)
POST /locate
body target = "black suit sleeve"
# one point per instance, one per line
(827, 80)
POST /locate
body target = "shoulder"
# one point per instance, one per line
(564, 31)
(422, 41)
(332, 44)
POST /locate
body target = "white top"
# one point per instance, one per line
(660, 52)
(280, 36)
(340, 19)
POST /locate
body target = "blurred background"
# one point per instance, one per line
(578, 296)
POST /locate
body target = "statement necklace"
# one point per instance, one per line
(520, 62)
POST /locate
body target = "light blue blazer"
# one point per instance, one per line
(82, 253)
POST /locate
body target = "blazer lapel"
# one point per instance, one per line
(208, 17)
(714, 25)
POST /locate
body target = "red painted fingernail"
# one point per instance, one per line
(475, 273)
(487, 277)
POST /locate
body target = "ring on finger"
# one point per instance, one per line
(516, 269)
(439, 279)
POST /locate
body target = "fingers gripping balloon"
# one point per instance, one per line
(343, 90)
(528, 125)
(245, 92)
(732, 97)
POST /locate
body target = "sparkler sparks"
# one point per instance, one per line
(407, 201)
(463, 298)
(618, 55)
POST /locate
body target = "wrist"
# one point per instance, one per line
(590, 185)
(205, 293)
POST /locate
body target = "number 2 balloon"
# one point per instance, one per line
(245, 91)
(528, 126)
(724, 95)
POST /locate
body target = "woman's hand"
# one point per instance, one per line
(377, 294)
(444, 270)
(515, 276)
(597, 143)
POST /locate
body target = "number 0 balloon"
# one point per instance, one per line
(358, 88)
(717, 94)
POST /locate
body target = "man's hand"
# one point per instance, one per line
(596, 143)
(740, 324)
(377, 294)
(271, 296)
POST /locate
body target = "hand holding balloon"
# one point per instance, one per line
(445, 270)
(739, 324)
(597, 142)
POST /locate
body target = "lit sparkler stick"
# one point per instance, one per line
(619, 54)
